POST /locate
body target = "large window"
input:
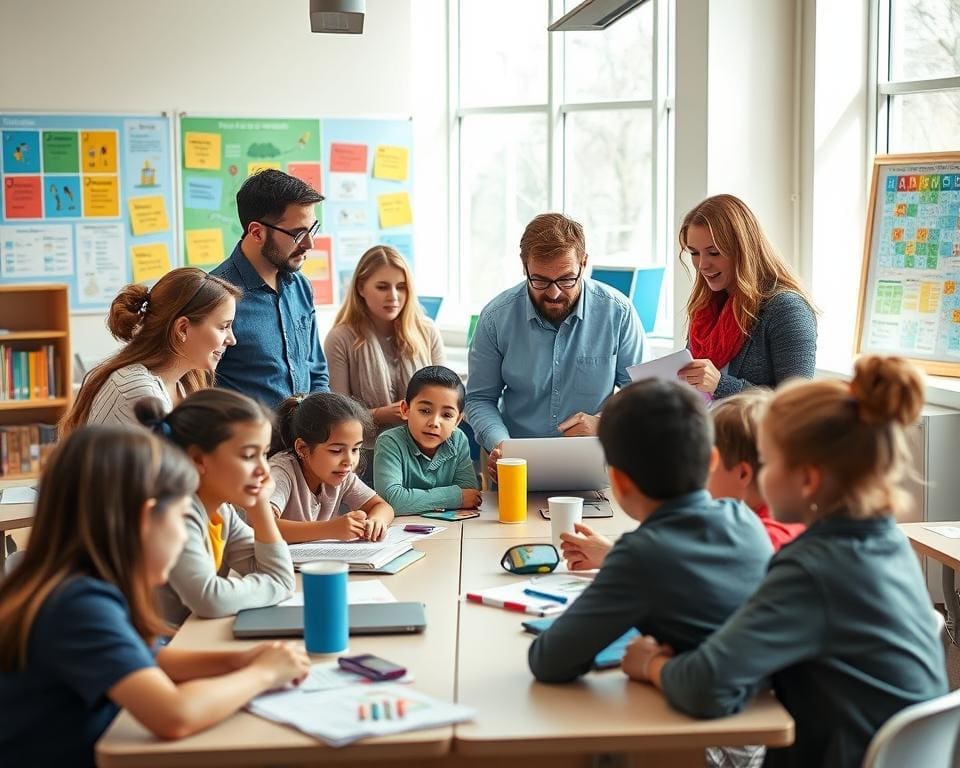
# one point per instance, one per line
(918, 93)
(578, 122)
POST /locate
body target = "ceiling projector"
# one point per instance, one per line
(338, 17)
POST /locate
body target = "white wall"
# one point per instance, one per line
(238, 57)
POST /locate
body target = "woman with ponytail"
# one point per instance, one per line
(750, 321)
(175, 335)
(842, 622)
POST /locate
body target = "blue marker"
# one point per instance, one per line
(546, 596)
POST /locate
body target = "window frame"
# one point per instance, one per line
(555, 109)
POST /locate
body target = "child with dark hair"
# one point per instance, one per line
(425, 464)
(692, 562)
(315, 453)
(226, 435)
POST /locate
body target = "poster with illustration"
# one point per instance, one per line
(909, 299)
(217, 154)
(86, 200)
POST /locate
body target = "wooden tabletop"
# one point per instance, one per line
(603, 710)
(15, 516)
(487, 526)
(246, 740)
(932, 544)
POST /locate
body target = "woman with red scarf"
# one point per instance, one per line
(751, 322)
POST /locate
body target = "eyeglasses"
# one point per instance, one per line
(298, 235)
(563, 283)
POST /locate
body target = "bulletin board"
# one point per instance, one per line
(367, 183)
(909, 299)
(86, 200)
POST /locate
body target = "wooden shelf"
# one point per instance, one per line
(22, 405)
(31, 336)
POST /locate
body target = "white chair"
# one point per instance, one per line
(922, 735)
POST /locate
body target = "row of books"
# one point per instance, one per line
(24, 448)
(29, 374)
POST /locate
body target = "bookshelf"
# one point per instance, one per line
(31, 317)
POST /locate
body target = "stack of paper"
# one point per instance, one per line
(516, 596)
(340, 716)
(360, 556)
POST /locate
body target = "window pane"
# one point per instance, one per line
(925, 122)
(924, 39)
(616, 63)
(503, 185)
(503, 52)
(608, 184)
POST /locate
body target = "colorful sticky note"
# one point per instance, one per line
(21, 152)
(61, 197)
(253, 168)
(101, 196)
(150, 262)
(390, 163)
(98, 151)
(394, 210)
(201, 150)
(148, 214)
(203, 192)
(204, 246)
(308, 173)
(402, 243)
(318, 269)
(21, 197)
(348, 158)
(61, 152)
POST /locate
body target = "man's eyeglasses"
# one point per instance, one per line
(298, 235)
(563, 283)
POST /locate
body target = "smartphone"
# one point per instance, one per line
(372, 667)
(419, 528)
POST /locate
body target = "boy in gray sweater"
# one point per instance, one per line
(692, 562)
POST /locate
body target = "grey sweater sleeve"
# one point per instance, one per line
(783, 345)
(266, 569)
(616, 601)
(782, 624)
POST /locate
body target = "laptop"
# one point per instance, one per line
(365, 619)
(560, 463)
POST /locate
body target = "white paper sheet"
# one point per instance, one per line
(366, 591)
(665, 367)
(19, 495)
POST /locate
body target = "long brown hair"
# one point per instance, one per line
(853, 432)
(759, 272)
(88, 523)
(144, 318)
(410, 333)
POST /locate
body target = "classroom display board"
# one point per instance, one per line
(367, 183)
(85, 200)
(217, 155)
(909, 302)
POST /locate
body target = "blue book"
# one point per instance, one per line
(608, 658)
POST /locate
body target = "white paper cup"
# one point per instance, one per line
(564, 512)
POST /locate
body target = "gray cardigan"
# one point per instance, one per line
(782, 345)
(266, 571)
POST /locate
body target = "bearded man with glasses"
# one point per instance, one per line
(278, 350)
(548, 352)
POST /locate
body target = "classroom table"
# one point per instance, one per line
(475, 655)
(13, 516)
(945, 551)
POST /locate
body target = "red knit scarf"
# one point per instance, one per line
(714, 333)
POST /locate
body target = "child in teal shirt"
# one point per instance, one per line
(425, 464)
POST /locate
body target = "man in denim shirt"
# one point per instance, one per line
(549, 351)
(278, 351)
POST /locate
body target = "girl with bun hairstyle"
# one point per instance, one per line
(842, 622)
(226, 435)
(175, 335)
(77, 615)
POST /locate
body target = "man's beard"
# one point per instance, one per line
(555, 311)
(272, 253)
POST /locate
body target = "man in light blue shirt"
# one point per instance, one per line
(548, 352)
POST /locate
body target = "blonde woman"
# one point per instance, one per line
(380, 337)
(750, 320)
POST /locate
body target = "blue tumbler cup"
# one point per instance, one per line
(326, 625)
